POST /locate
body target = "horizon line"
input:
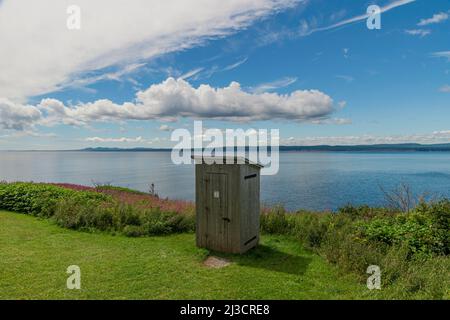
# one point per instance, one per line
(412, 144)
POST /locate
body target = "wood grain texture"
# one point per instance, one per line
(227, 207)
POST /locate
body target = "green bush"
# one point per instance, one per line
(121, 218)
(41, 199)
(90, 211)
(424, 231)
(363, 212)
(84, 216)
(156, 222)
(276, 221)
(410, 248)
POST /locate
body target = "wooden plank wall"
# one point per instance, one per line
(213, 232)
(227, 223)
(250, 206)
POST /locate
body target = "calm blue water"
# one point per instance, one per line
(314, 181)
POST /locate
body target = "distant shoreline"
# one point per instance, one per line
(409, 147)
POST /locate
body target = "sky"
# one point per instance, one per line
(135, 71)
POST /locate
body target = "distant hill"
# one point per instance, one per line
(406, 147)
(375, 147)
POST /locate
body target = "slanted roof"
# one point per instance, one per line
(200, 159)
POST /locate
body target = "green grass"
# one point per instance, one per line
(35, 253)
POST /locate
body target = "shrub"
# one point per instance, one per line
(80, 209)
(276, 221)
(312, 228)
(364, 212)
(134, 231)
(421, 233)
(410, 248)
(156, 222)
(126, 219)
(41, 199)
(84, 216)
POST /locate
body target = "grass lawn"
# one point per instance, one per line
(34, 256)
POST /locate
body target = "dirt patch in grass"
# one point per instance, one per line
(216, 262)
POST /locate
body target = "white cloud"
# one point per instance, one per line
(42, 55)
(437, 18)
(442, 133)
(345, 78)
(176, 98)
(306, 30)
(342, 104)
(445, 88)
(156, 140)
(115, 140)
(205, 73)
(334, 121)
(170, 100)
(342, 121)
(235, 65)
(114, 76)
(274, 85)
(191, 73)
(441, 54)
(418, 32)
(15, 116)
(165, 127)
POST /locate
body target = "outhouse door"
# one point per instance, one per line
(216, 207)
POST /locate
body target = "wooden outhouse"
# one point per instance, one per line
(227, 203)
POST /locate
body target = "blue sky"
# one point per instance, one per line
(304, 67)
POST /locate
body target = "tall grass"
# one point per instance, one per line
(411, 249)
(115, 210)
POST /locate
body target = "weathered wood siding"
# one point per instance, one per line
(227, 206)
(250, 206)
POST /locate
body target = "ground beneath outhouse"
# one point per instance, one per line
(216, 262)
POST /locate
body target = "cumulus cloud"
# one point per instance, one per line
(173, 99)
(176, 98)
(41, 55)
(437, 18)
(15, 116)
